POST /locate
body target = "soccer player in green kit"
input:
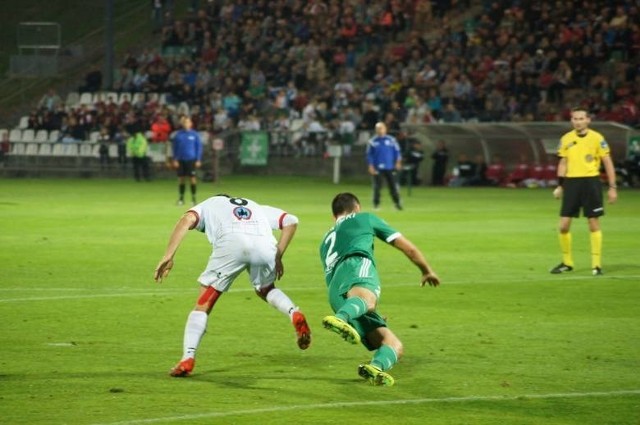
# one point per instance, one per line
(346, 253)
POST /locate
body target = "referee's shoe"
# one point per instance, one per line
(561, 268)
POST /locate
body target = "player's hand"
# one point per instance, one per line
(431, 278)
(198, 164)
(162, 270)
(372, 170)
(557, 192)
(279, 267)
(175, 164)
(612, 195)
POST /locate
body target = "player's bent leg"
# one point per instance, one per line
(342, 328)
(283, 303)
(207, 299)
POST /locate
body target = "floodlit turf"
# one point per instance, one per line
(88, 338)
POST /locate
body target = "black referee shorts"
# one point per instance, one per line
(186, 169)
(582, 193)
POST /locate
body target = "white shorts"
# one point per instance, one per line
(256, 254)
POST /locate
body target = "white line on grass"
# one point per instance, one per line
(375, 403)
(319, 286)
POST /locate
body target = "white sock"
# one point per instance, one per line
(193, 331)
(281, 301)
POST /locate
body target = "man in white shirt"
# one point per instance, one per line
(241, 234)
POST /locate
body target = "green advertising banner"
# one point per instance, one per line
(254, 148)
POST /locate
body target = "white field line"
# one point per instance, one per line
(317, 406)
(133, 292)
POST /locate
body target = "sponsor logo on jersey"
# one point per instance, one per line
(242, 213)
(588, 158)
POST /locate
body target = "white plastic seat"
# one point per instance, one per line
(24, 122)
(57, 149)
(18, 148)
(73, 98)
(32, 149)
(70, 149)
(45, 149)
(54, 135)
(94, 136)
(15, 135)
(183, 108)
(86, 99)
(42, 136)
(113, 151)
(86, 149)
(28, 135)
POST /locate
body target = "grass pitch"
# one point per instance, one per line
(87, 337)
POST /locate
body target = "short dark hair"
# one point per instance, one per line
(344, 203)
(580, 109)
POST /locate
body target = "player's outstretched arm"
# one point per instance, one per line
(417, 258)
(186, 223)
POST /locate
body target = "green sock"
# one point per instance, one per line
(384, 358)
(352, 308)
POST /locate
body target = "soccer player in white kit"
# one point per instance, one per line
(241, 233)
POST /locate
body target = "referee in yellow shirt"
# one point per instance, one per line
(581, 151)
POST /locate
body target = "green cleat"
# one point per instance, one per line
(342, 328)
(375, 375)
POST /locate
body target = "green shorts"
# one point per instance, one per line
(357, 271)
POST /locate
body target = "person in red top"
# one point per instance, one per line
(160, 129)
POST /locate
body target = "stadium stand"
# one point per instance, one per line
(466, 61)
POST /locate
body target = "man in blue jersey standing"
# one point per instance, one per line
(384, 159)
(187, 157)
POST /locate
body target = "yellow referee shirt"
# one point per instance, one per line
(583, 153)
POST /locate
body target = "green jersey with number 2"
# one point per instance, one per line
(351, 236)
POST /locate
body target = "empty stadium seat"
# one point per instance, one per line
(183, 108)
(42, 136)
(57, 149)
(86, 99)
(94, 136)
(72, 99)
(18, 148)
(32, 149)
(86, 149)
(113, 151)
(45, 149)
(24, 122)
(28, 135)
(70, 149)
(54, 135)
(15, 135)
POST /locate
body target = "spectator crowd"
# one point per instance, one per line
(332, 64)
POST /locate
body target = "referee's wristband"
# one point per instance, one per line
(560, 181)
(613, 187)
